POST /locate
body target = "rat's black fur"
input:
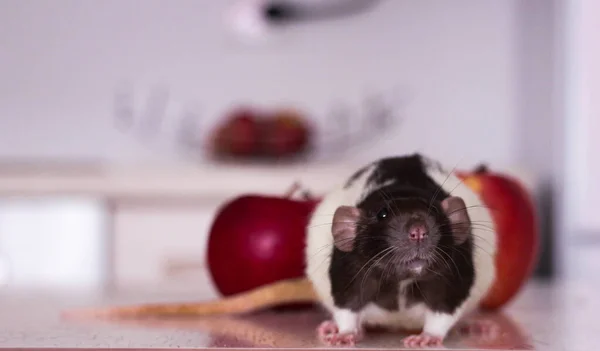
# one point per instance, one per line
(448, 278)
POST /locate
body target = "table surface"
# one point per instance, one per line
(544, 316)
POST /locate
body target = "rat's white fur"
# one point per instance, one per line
(319, 247)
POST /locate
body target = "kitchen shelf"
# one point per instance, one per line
(143, 181)
(163, 182)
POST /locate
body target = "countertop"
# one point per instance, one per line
(163, 180)
(543, 317)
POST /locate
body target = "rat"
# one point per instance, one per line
(401, 244)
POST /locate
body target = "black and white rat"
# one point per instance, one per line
(402, 244)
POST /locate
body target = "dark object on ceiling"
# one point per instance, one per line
(287, 11)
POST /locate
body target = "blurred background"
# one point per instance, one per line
(126, 124)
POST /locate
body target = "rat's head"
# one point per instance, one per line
(404, 230)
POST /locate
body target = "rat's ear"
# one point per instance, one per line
(343, 227)
(456, 210)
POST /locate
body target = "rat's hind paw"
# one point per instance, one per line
(327, 328)
(347, 339)
(422, 340)
(329, 333)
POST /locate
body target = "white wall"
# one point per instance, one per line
(478, 75)
(62, 62)
(583, 112)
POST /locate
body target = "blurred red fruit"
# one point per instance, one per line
(286, 133)
(257, 240)
(516, 224)
(239, 134)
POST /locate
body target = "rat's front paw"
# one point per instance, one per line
(329, 333)
(422, 340)
(327, 328)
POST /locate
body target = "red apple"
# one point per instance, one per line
(257, 240)
(516, 224)
(238, 135)
(286, 132)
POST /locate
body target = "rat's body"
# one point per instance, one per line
(360, 292)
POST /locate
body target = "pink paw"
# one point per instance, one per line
(422, 340)
(346, 339)
(327, 328)
(329, 333)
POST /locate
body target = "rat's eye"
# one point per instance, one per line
(382, 214)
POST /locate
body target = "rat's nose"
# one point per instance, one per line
(417, 232)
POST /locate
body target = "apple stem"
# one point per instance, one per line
(307, 196)
(481, 169)
(292, 190)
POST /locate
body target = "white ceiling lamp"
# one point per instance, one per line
(257, 20)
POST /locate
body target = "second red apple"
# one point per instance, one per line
(286, 132)
(239, 135)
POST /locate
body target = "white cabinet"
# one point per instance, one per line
(137, 228)
(52, 242)
(161, 245)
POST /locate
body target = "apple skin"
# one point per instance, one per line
(286, 133)
(239, 134)
(516, 225)
(257, 240)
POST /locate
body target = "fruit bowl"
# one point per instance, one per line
(251, 135)
(288, 134)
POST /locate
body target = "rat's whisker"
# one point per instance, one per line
(453, 262)
(380, 253)
(438, 258)
(368, 272)
(387, 269)
(387, 200)
(440, 188)
(470, 207)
